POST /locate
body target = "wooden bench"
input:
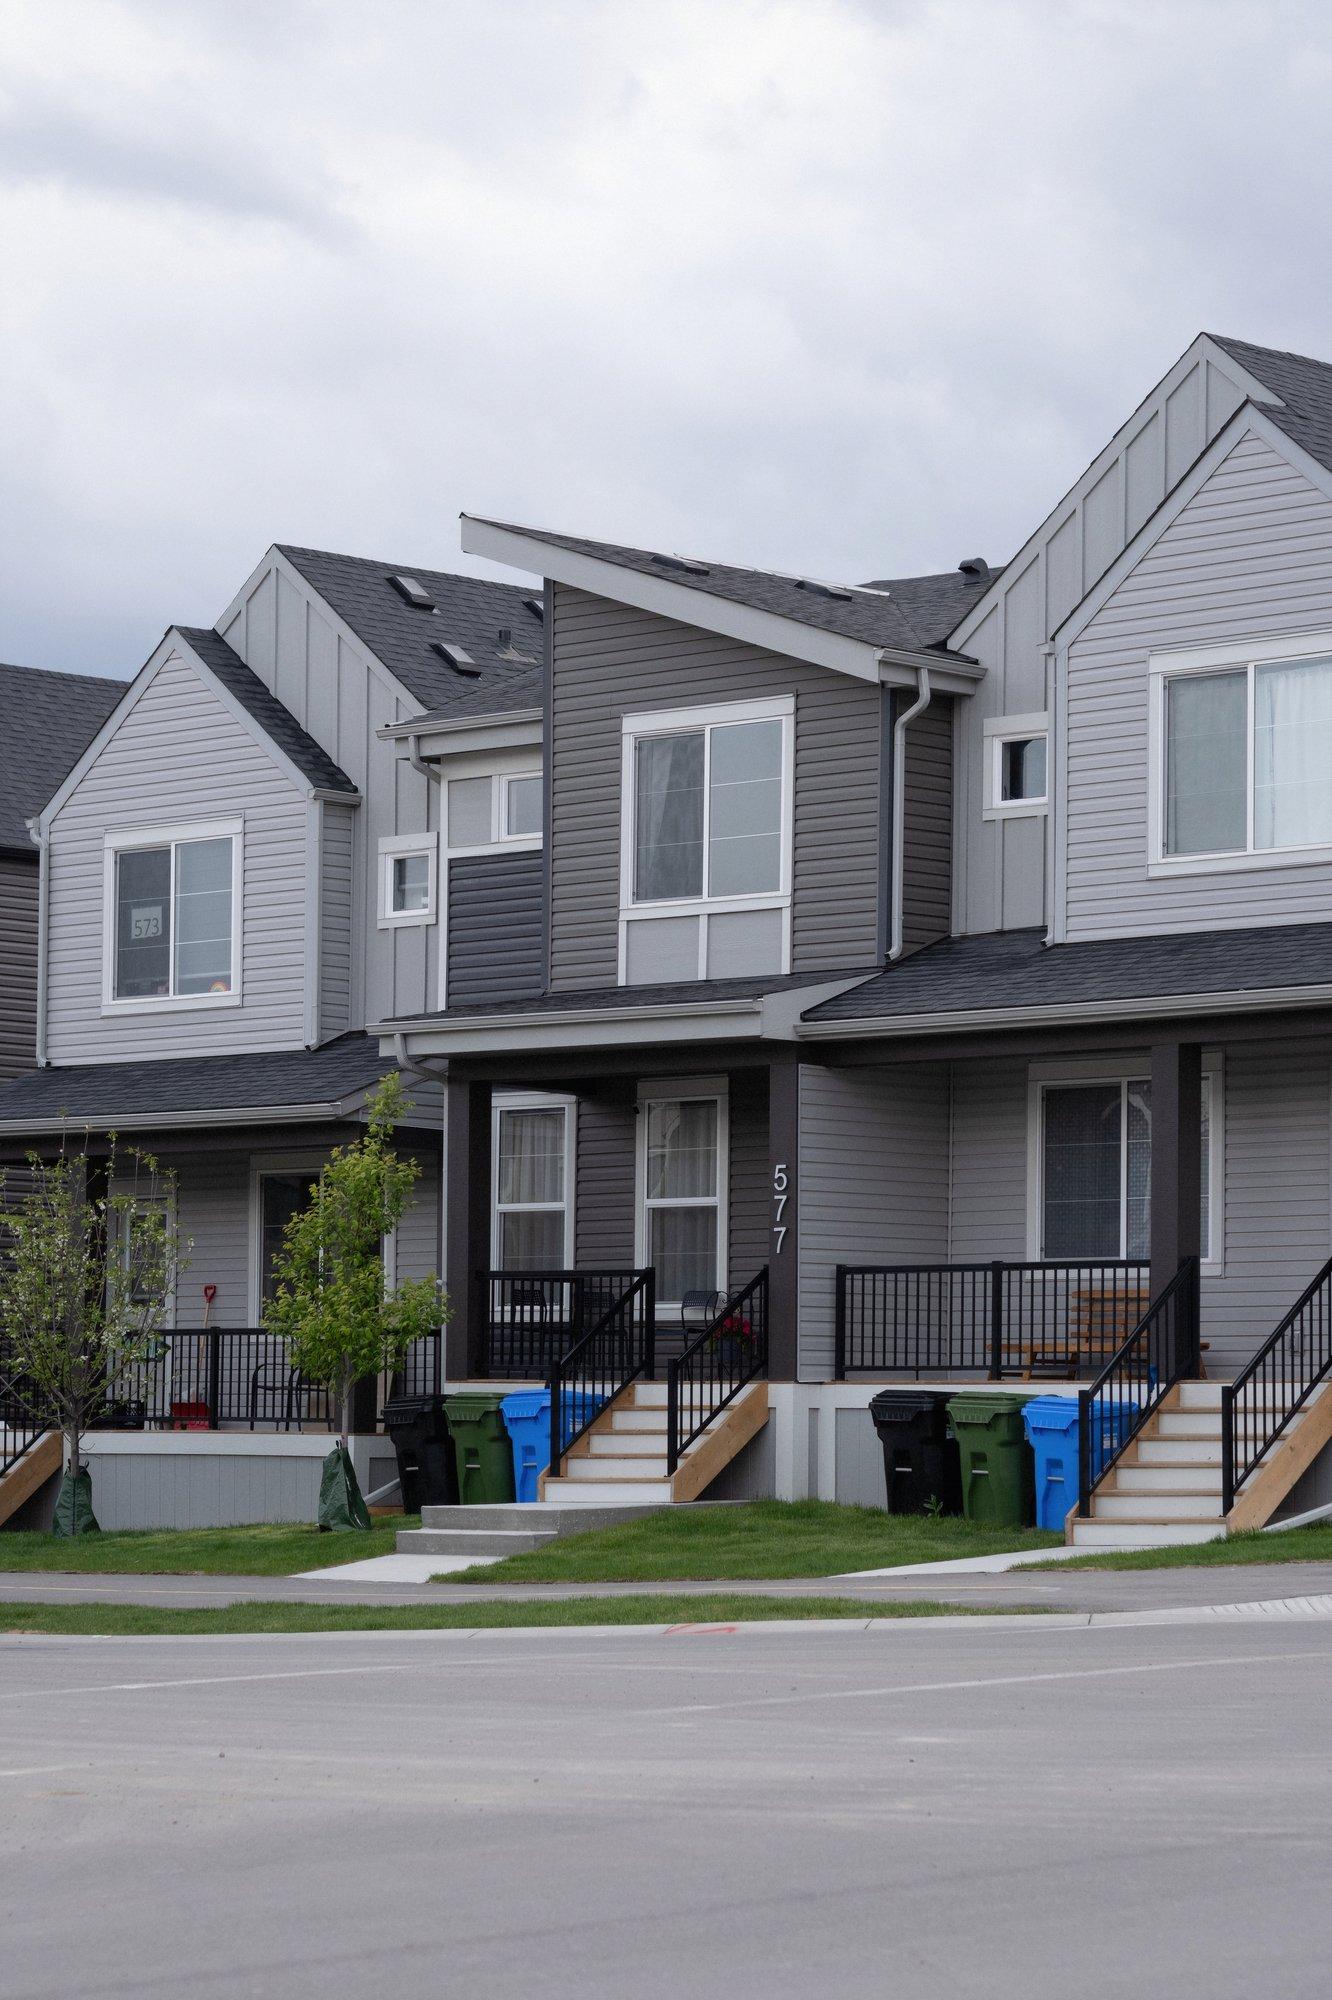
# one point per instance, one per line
(1099, 1322)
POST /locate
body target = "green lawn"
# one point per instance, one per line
(1313, 1544)
(277, 1551)
(763, 1540)
(717, 1608)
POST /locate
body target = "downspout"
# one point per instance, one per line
(433, 776)
(921, 703)
(43, 842)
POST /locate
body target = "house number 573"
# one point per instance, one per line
(781, 1194)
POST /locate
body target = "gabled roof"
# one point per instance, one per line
(871, 614)
(46, 722)
(469, 612)
(262, 706)
(1304, 386)
(935, 604)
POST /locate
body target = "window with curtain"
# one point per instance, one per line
(531, 1192)
(1248, 759)
(708, 812)
(173, 920)
(682, 1194)
(1096, 1169)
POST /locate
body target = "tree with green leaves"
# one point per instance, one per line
(89, 1257)
(340, 1315)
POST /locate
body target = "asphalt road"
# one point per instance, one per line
(978, 1812)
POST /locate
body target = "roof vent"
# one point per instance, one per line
(679, 562)
(415, 593)
(505, 635)
(535, 606)
(975, 569)
(823, 590)
(457, 657)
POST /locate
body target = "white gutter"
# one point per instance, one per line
(921, 703)
(43, 840)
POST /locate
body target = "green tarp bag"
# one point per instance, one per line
(74, 1508)
(340, 1502)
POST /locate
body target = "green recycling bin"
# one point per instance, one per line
(998, 1476)
(482, 1447)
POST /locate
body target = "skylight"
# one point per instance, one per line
(457, 657)
(415, 593)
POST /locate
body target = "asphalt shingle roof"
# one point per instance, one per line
(470, 612)
(47, 721)
(857, 611)
(98, 1093)
(1304, 386)
(1018, 969)
(277, 721)
(684, 993)
(936, 604)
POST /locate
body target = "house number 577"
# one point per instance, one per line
(781, 1194)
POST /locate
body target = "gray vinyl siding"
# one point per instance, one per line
(611, 659)
(18, 963)
(418, 1249)
(179, 756)
(213, 1217)
(1249, 558)
(927, 850)
(604, 1171)
(496, 937)
(873, 1184)
(749, 1244)
(337, 880)
(996, 874)
(988, 1210)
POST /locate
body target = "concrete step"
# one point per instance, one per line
(473, 1541)
(649, 1395)
(627, 1444)
(1122, 1535)
(1166, 1479)
(1158, 1507)
(1200, 1395)
(1179, 1451)
(1189, 1424)
(573, 1493)
(588, 1471)
(648, 1418)
(526, 1517)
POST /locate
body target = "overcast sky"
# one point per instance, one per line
(848, 287)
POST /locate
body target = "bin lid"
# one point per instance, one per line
(473, 1403)
(896, 1405)
(1050, 1413)
(406, 1409)
(526, 1403)
(981, 1408)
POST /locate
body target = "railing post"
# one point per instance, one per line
(556, 1422)
(672, 1416)
(649, 1298)
(839, 1324)
(1084, 1453)
(1191, 1356)
(1227, 1447)
(996, 1320)
(214, 1371)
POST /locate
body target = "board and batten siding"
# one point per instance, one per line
(496, 935)
(1249, 558)
(873, 1185)
(19, 902)
(610, 660)
(179, 756)
(337, 912)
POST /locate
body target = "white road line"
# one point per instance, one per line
(952, 1687)
(42, 1770)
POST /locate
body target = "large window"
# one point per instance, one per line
(171, 920)
(682, 1169)
(1247, 760)
(1095, 1165)
(706, 859)
(532, 1144)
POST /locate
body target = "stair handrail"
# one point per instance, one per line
(737, 1334)
(1161, 1351)
(20, 1427)
(626, 1331)
(1262, 1401)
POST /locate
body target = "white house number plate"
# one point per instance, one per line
(781, 1194)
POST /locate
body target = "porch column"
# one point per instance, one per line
(1176, 1217)
(466, 1224)
(783, 1216)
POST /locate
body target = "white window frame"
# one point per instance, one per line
(534, 1100)
(1165, 666)
(692, 722)
(671, 1090)
(392, 848)
(1001, 730)
(122, 840)
(1125, 1070)
(308, 1162)
(503, 781)
(499, 836)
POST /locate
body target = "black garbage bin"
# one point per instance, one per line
(920, 1458)
(427, 1470)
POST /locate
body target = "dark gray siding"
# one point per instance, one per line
(604, 1169)
(748, 1248)
(18, 963)
(610, 660)
(494, 925)
(927, 859)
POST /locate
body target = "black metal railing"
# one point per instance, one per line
(1272, 1388)
(996, 1318)
(1160, 1351)
(20, 1424)
(529, 1319)
(730, 1352)
(217, 1376)
(617, 1350)
(422, 1369)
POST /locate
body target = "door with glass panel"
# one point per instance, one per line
(531, 1307)
(682, 1178)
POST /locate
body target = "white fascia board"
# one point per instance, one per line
(574, 1028)
(335, 1112)
(164, 650)
(948, 673)
(1162, 1007)
(465, 735)
(667, 599)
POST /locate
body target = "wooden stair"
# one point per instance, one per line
(621, 1459)
(29, 1473)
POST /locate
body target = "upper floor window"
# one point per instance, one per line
(502, 806)
(1017, 765)
(707, 835)
(408, 867)
(1244, 762)
(521, 808)
(171, 920)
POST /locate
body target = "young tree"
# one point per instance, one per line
(89, 1255)
(332, 1304)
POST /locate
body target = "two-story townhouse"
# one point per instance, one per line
(938, 970)
(238, 873)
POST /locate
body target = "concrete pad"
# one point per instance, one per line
(394, 1569)
(977, 1565)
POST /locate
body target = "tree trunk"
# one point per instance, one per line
(73, 1451)
(348, 1390)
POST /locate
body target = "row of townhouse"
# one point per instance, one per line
(951, 954)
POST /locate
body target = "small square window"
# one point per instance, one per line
(411, 882)
(522, 808)
(407, 880)
(1021, 769)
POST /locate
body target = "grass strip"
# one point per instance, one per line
(1311, 1544)
(761, 1541)
(284, 1550)
(721, 1608)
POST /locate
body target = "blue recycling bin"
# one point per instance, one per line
(526, 1415)
(1051, 1424)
